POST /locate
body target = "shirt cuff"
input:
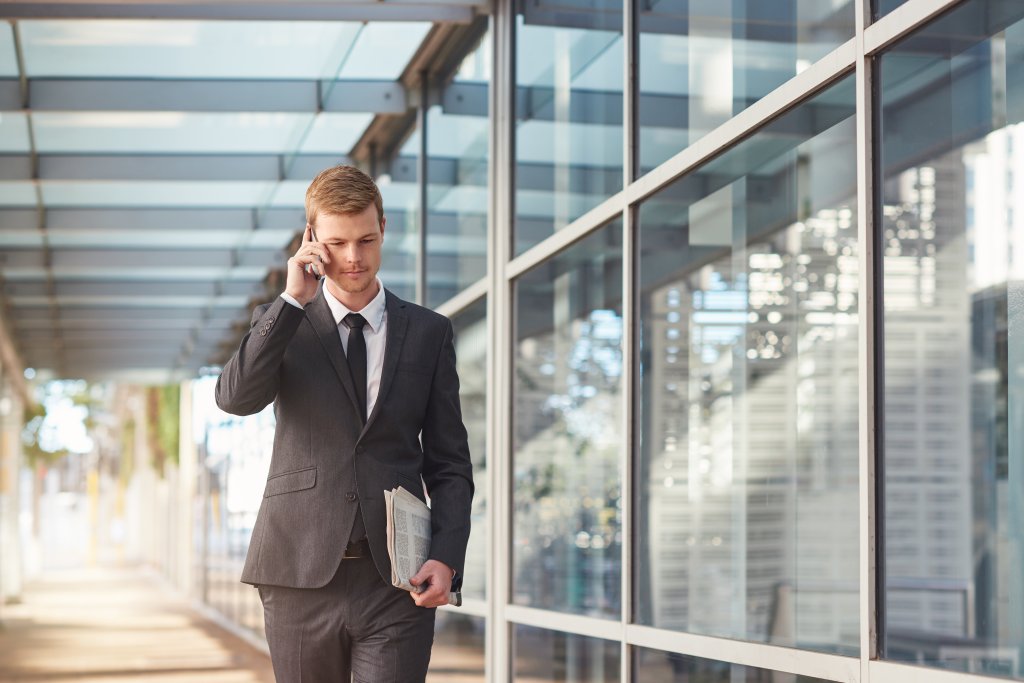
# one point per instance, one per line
(291, 299)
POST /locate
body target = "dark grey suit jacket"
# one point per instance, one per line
(325, 463)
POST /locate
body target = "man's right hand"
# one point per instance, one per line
(301, 284)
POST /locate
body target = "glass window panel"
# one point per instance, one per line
(951, 239)
(568, 113)
(401, 234)
(883, 7)
(703, 61)
(566, 436)
(126, 48)
(457, 176)
(233, 470)
(169, 132)
(471, 353)
(14, 133)
(459, 647)
(657, 666)
(543, 655)
(383, 50)
(747, 476)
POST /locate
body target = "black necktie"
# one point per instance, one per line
(356, 356)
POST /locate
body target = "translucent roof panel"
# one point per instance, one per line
(8, 57)
(186, 49)
(169, 132)
(14, 133)
(17, 193)
(383, 50)
(335, 133)
(289, 193)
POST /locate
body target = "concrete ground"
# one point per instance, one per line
(117, 625)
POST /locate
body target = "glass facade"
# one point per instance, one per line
(566, 429)
(458, 134)
(949, 241)
(233, 456)
(471, 360)
(568, 113)
(458, 654)
(673, 386)
(703, 61)
(656, 666)
(543, 655)
(748, 472)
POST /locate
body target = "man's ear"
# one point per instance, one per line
(383, 222)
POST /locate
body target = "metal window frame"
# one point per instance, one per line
(856, 56)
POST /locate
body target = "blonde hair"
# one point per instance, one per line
(342, 191)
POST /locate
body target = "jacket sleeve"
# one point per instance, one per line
(249, 381)
(447, 470)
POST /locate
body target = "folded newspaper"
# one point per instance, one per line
(408, 527)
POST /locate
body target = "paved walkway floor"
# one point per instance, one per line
(117, 626)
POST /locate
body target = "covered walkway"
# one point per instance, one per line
(118, 624)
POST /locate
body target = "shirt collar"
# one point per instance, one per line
(373, 312)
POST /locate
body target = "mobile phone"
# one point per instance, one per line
(309, 267)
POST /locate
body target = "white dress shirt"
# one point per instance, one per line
(375, 333)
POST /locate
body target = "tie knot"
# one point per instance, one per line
(354, 321)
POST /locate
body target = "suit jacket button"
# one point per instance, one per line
(350, 496)
(360, 449)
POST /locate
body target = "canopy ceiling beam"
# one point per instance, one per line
(212, 95)
(188, 167)
(452, 11)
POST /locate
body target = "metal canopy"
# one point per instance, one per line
(153, 164)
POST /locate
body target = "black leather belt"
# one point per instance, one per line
(356, 549)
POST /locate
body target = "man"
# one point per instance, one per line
(367, 398)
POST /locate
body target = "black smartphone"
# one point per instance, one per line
(309, 267)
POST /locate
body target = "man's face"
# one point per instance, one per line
(354, 245)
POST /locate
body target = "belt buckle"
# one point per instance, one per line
(356, 550)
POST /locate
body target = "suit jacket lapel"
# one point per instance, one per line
(319, 315)
(397, 320)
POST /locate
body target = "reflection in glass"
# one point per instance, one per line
(458, 652)
(471, 354)
(457, 198)
(542, 655)
(566, 436)
(747, 474)
(656, 666)
(568, 113)
(951, 237)
(703, 61)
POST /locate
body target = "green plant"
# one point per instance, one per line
(163, 405)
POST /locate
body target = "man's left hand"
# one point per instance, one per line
(436, 577)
